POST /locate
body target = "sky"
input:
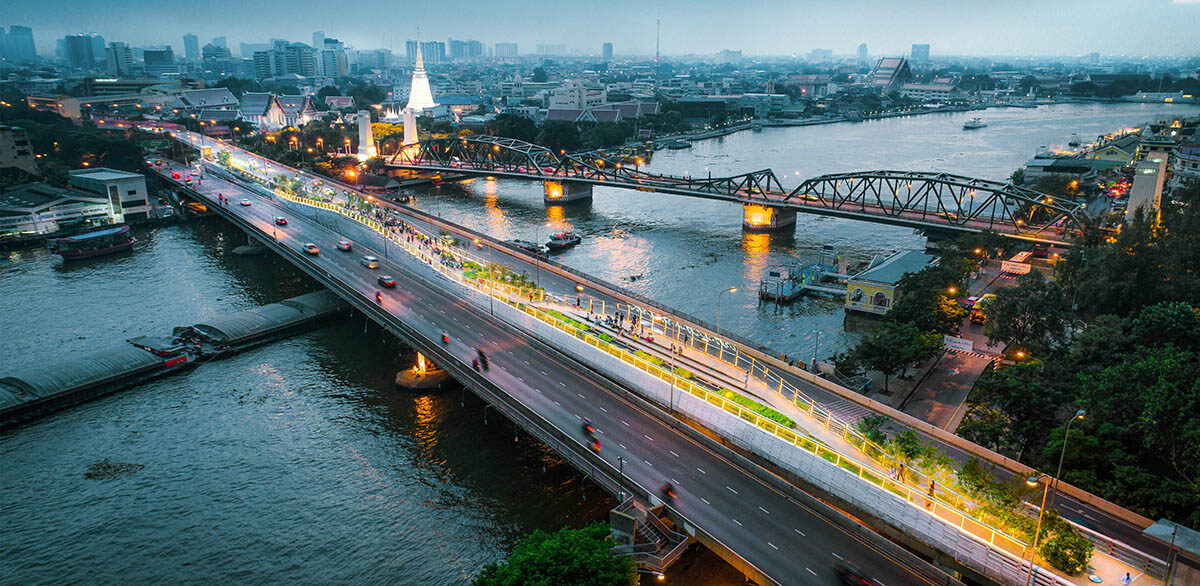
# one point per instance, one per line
(757, 27)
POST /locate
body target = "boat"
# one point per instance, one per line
(679, 144)
(1074, 140)
(564, 239)
(974, 123)
(97, 243)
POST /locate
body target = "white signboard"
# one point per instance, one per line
(959, 344)
(1018, 268)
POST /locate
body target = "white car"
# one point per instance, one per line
(245, 202)
(370, 262)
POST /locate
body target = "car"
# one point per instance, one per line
(851, 575)
(344, 245)
(311, 248)
(280, 221)
(387, 281)
(245, 202)
(370, 262)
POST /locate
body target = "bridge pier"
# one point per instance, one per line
(558, 192)
(761, 218)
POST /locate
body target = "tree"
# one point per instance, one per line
(1062, 546)
(1015, 408)
(367, 95)
(1034, 314)
(558, 135)
(510, 126)
(892, 347)
(539, 75)
(323, 93)
(567, 556)
(239, 87)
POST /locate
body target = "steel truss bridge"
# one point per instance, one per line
(927, 200)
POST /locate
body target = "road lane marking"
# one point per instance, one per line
(647, 437)
(526, 362)
(731, 489)
(837, 556)
(623, 446)
(673, 453)
(773, 545)
(810, 571)
(604, 410)
(557, 403)
(702, 471)
(738, 522)
(764, 510)
(800, 532)
(648, 463)
(562, 384)
(625, 423)
(544, 373)
(705, 501)
(581, 395)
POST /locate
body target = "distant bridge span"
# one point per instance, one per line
(926, 200)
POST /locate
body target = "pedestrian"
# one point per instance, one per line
(1126, 580)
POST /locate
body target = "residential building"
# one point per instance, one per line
(506, 50)
(920, 53)
(333, 58)
(39, 209)
(431, 51)
(929, 92)
(575, 96)
(377, 59)
(551, 49)
(863, 56)
(160, 62)
(126, 191)
(1121, 150)
(218, 61)
(191, 48)
(1185, 165)
(1154, 147)
(300, 59)
(16, 150)
(220, 42)
(19, 44)
(606, 51)
(119, 60)
(874, 289)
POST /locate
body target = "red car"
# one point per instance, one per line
(387, 281)
(280, 221)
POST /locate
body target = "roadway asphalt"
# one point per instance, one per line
(783, 538)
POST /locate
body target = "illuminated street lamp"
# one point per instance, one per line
(1034, 481)
(719, 295)
(1079, 415)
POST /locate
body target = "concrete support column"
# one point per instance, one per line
(761, 218)
(558, 192)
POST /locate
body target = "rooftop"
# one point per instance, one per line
(104, 174)
(894, 267)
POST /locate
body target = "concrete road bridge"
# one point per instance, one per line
(925, 200)
(751, 510)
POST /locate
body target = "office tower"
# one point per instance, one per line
(506, 50)
(318, 40)
(80, 50)
(218, 61)
(863, 56)
(920, 53)
(191, 48)
(220, 42)
(606, 51)
(119, 59)
(20, 44)
(159, 62)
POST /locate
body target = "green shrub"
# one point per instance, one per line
(1062, 546)
(606, 337)
(649, 357)
(682, 372)
(757, 407)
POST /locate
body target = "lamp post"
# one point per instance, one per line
(1034, 481)
(537, 239)
(719, 295)
(816, 340)
(1080, 414)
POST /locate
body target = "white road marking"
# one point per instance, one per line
(648, 463)
(625, 423)
(800, 532)
(702, 471)
(623, 446)
(673, 453)
(837, 556)
(581, 395)
(562, 384)
(738, 522)
(544, 373)
(604, 410)
(526, 362)
(557, 403)
(731, 490)
(647, 437)
(773, 545)
(810, 571)
(705, 501)
(764, 510)
(538, 390)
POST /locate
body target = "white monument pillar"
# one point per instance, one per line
(410, 127)
(366, 139)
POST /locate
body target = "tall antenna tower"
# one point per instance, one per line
(657, 39)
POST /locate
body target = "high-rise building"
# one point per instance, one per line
(300, 59)
(863, 56)
(333, 58)
(548, 49)
(191, 48)
(456, 49)
(246, 50)
(606, 51)
(506, 50)
(431, 51)
(3, 44)
(220, 42)
(19, 46)
(218, 61)
(80, 50)
(318, 39)
(159, 62)
(119, 59)
(920, 53)
(376, 59)
(820, 56)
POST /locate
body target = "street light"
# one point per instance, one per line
(1034, 481)
(723, 292)
(1080, 414)
(537, 236)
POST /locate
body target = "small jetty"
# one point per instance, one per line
(826, 276)
(45, 388)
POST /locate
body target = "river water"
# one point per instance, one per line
(298, 462)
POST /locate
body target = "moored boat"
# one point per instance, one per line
(97, 243)
(974, 123)
(564, 239)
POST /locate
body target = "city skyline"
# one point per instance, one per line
(769, 29)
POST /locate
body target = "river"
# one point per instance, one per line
(299, 462)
